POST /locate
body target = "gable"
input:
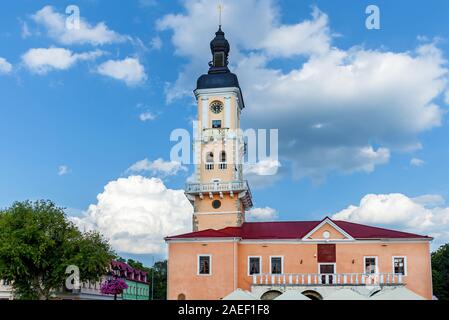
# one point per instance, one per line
(327, 226)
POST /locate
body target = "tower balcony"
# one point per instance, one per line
(217, 134)
(234, 188)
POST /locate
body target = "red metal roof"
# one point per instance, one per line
(296, 230)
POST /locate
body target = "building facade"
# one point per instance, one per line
(224, 252)
(137, 281)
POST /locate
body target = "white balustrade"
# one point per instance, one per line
(328, 279)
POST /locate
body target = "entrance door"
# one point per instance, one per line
(327, 271)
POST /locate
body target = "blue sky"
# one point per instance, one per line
(83, 117)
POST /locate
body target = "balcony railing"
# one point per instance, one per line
(316, 279)
(215, 134)
(235, 186)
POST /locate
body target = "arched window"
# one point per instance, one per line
(223, 164)
(181, 296)
(210, 157)
(210, 161)
(223, 156)
(270, 295)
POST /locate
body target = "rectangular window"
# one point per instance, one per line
(204, 265)
(370, 265)
(219, 59)
(254, 265)
(276, 265)
(400, 265)
(216, 124)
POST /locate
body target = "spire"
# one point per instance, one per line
(220, 11)
(219, 47)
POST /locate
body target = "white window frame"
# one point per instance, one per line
(198, 265)
(282, 264)
(327, 263)
(376, 259)
(260, 266)
(405, 265)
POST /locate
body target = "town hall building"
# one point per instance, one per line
(224, 253)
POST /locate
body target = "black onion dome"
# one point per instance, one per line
(219, 43)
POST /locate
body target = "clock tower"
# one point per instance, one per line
(218, 193)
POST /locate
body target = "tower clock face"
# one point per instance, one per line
(216, 107)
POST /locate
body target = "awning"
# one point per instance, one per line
(401, 293)
(239, 294)
(345, 294)
(292, 295)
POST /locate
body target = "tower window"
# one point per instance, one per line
(216, 124)
(219, 58)
(223, 164)
(216, 204)
(210, 157)
(210, 161)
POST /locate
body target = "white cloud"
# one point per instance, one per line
(5, 66)
(63, 170)
(336, 110)
(128, 70)
(55, 24)
(415, 162)
(423, 215)
(263, 173)
(266, 167)
(308, 37)
(136, 213)
(159, 166)
(262, 214)
(146, 116)
(156, 43)
(430, 200)
(43, 60)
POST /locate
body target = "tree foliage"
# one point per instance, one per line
(159, 277)
(38, 243)
(440, 272)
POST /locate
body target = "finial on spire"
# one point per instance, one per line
(220, 11)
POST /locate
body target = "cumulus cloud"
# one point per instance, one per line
(415, 162)
(423, 215)
(262, 214)
(326, 95)
(55, 24)
(5, 66)
(129, 70)
(157, 167)
(43, 60)
(136, 213)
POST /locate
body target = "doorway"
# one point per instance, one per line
(327, 271)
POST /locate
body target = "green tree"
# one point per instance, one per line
(160, 280)
(38, 243)
(440, 272)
